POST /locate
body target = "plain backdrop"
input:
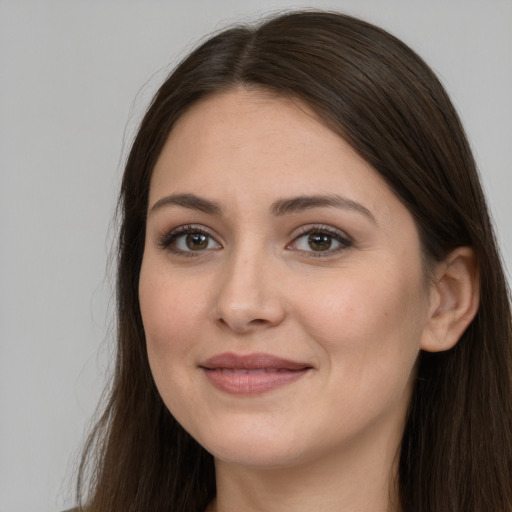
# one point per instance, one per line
(75, 78)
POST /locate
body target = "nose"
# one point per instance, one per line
(249, 297)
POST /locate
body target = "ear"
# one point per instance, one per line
(454, 300)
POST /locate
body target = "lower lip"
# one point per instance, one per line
(251, 382)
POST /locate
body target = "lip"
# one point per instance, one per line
(252, 373)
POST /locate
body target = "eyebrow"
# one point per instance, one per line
(279, 208)
(189, 201)
(298, 204)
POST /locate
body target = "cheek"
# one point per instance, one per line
(169, 314)
(370, 335)
(368, 324)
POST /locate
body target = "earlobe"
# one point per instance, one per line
(455, 296)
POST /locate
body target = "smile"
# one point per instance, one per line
(253, 373)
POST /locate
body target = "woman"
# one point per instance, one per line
(312, 310)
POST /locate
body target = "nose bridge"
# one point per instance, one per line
(248, 295)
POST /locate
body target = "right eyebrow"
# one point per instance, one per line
(188, 201)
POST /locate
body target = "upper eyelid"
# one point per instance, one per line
(326, 228)
(191, 228)
(168, 236)
(343, 239)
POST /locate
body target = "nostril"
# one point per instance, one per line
(242, 326)
(258, 321)
(255, 312)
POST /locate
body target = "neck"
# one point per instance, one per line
(358, 479)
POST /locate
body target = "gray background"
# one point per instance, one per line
(75, 78)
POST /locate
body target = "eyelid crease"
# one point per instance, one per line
(341, 237)
(323, 228)
(165, 240)
(345, 241)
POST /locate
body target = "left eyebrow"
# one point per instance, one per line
(300, 203)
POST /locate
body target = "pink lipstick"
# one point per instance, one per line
(251, 373)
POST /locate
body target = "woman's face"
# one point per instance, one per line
(281, 289)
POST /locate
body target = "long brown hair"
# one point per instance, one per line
(378, 95)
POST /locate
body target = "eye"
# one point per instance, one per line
(189, 239)
(320, 241)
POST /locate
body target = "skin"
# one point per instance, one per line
(357, 314)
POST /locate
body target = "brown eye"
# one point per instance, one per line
(197, 241)
(320, 241)
(189, 239)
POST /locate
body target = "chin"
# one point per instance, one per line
(256, 455)
(253, 446)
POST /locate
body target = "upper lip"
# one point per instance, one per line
(252, 362)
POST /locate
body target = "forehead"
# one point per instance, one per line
(245, 120)
(253, 144)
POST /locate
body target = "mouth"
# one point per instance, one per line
(252, 373)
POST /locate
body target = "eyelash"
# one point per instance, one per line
(167, 241)
(344, 241)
